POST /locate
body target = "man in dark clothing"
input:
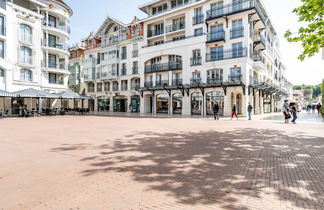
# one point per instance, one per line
(319, 108)
(293, 111)
(250, 108)
(216, 111)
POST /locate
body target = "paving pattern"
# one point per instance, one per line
(87, 162)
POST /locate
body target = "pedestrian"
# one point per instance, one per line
(294, 113)
(319, 108)
(234, 112)
(216, 111)
(250, 108)
(286, 113)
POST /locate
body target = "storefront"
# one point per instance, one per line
(103, 104)
(267, 106)
(135, 103)
(120, 103)
(162, 103)
(211, 99)
(196, 103)
(177, 103)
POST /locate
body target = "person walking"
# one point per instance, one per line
(293, 111)
(250, 108)
(234, 112)
(216, 111)
(286, 113)
(319, 108)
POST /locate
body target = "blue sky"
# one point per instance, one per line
(89, 15)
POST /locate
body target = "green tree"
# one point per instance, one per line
(317, 91)
(312, 36)
(298, 87)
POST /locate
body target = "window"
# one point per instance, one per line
(214, 75)
(176, 3)
(235, 74)
(2, 73)
(124, 69)
(25, 55)
(159, 8)
(217, 9)
(3, 4)
(26, 33)
(51, 21)
(26, 75)
(52, 78)
(198, 32)
(198, 17)
(237, 50)
(124, 53)
(237, 28)
(135, 67)
(51, 61)
(217, 53)
(99, 87)
(51, 40)
(107, 86)
(2, 47)
(2, 26)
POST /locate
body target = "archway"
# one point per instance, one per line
(177, 103)
(196, 103)
(162, 103)
(211, 99)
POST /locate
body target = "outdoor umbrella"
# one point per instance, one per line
(33, 93)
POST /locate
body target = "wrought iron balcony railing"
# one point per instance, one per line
(216, 36)
(163, 67)
(235, 78)
(195, 61)
(237, 32)
(229, 54)
(176, 82)
(212, 81)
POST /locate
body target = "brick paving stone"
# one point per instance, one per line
(129, 163)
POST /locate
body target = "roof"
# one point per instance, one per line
(4, 93)
(33, 93)
(107, 20)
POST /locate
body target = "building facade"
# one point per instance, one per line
(75, 68)
(190, 54)
(33, 42)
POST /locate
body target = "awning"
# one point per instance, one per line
(33, 93)
(4, 93)
(68, 95)
(71, 95)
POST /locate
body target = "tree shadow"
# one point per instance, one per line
(227, 168)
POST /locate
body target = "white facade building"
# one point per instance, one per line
(33, 44)
(191, 54)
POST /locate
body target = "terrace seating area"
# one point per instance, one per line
(31, 103)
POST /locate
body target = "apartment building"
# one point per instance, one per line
(111, 66)
(75, 68)
(33, 45)
(191, 54)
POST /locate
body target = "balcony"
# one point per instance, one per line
(148, 84)
(135, 53)
(195, 81)
(214, 81)
(57, 45)
(124, 87)
(229, 9)
(258, 58)
(176, 82)
(175, 27)
(88, 78)
(195, 61)
(216, 36)
(198, 19)
(65, 28)
(152, 33)
(135, 70)
(135, 86)
(57, 82)
(254, 81)
(60, 66)
(115, 87)
(235, 78)
(259, 42)
(229, 54)
(237, 32)
(161, 67)
(162, 83)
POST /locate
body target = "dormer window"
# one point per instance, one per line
(160, 8)
(115, 29)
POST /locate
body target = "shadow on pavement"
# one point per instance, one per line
(233, 169)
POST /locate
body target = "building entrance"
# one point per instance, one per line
(211, 99)
(120, 104)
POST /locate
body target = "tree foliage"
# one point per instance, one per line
(312, 36)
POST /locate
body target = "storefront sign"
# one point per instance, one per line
(133, 40)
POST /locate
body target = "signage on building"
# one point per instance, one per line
(133, 40)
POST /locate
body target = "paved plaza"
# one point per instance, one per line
(88, 162)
